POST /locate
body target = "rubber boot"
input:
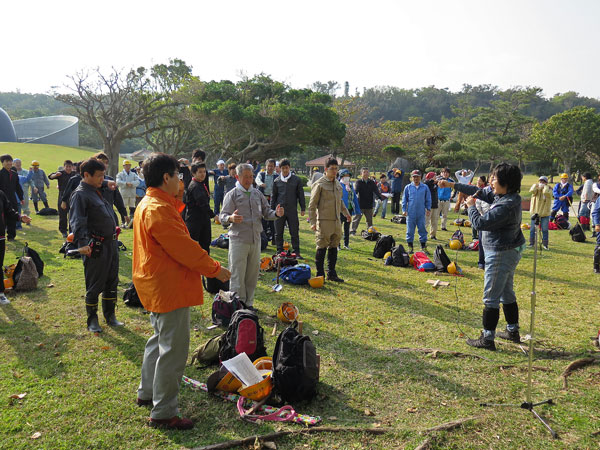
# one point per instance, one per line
(320, 261)
(331, 261)
(410, 247)
(46, 205)
(424, 248)
(597, 260)
(108, 308)
(92, 319)
(35, 205)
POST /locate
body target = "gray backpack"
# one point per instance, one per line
(25, 275)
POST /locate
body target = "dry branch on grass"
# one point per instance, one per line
(577, 364)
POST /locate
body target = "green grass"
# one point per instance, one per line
(81, 388)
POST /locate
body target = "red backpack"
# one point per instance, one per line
(422, 263)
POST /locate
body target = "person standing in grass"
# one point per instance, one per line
(127, 181)
(385, 188)
(10, 185)
(324, 210)
(541, 204)
(396, 176)
(167, 273)
(596, 218)
(25, 179)
(503, 243)
(219, 191)
(197, 211)
(7, 211)
(444, 195)
(416, 204)
(38, 180)
(351, 202)
(366, 190)
(62, 177)
(431, 220)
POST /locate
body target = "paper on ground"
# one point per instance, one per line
(242, 368)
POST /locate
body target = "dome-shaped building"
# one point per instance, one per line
(7, 130)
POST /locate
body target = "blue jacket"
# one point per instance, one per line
(596, 213)
(140, 189)
(501, 225)
(216, 173)
(416, 199)
(444, 194)
(356, 209)
(559, 191)
(396, 182)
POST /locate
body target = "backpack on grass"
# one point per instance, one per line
(440, 259)
(131, 297)
(577, 233)
(25, 275)
(298, 274)
(224, 305)
(295, 366)
(39, 264)
(244, 335)
(370, 235)
(383, 245)
(208, 353)
(48, 212)
(399, 219)
(422, 263)
(562, 222)
(400, 257)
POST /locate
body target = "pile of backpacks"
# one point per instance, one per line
(24, 274)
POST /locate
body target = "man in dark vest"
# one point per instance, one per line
(62, 177)
(9, 184)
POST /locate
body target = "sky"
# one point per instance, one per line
(409, 44)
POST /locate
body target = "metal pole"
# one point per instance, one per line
(532, 325)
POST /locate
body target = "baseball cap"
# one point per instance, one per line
(220, 162)
(543, 178)
(430, 175)
(415, 173)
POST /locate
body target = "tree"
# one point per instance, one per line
(571, 136)
(120, 105)
(329, 88)
(259, 116)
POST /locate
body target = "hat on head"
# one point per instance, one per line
(315, 168)
(126, 162)
(220, 162)
(564, 175)
(345, 173)
(415, 173)
(35, 163)
(16, 159)
(543, 178)
(430, 175)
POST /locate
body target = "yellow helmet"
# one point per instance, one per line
(287, 312)
(467, 223)
(223, 380)
(266, 263)
(387, 255)
(317, 282)
(264, 363)
(564, 175)
(372, 229)
(127, 162)
(35, 163)
(525, 226)
(411, 259)
(455, 244)
(258, 391)
(452, 268)
(286, 246)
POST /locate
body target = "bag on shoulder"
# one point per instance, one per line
(131, 297)
(577, 233)
(224, 305)
(39, 264)
(440, 259)
(383, 245)
(295, 366)
(213, 285)
(399, 218)
(25, 275)
(244, 335)
(298, 274)
(208, 353)
(400, 257)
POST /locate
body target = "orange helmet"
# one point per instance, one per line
(70, 237)
(266, 263)
(287, 312)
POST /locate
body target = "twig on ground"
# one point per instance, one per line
(450, 425)
(577, 364)
(435, 351)
(425, 445)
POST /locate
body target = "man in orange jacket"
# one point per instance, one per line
(167, 273)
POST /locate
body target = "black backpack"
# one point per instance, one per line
(577, 233)
(223, 308)
(440, 259)
(39, 264)
(400, 257)
(131, 298)
(244, 335)
(370, 235)
(383, 245)
(562, 222)
(48, 212)
(399, 219)
(295, 366)
(213, 285)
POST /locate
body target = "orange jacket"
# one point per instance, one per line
(167, 262)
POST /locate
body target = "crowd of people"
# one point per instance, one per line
(167, 202)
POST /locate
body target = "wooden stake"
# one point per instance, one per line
(274, 332)
(300, 324)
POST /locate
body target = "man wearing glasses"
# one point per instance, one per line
(324, 211)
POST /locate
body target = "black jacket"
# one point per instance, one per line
(9, 184)
(365, 191)
(89, 214)
(288, 194)
(113, 198)
(197, 201)
(63, 180)
(6, 212)
(433, 188)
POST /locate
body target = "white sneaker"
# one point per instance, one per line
(4, 300)
(346, 247)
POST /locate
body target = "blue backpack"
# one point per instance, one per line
(298, 274)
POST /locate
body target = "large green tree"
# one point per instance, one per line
(570, 136)
(259, 117)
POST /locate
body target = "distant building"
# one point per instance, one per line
(57, 130)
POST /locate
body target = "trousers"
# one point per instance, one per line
(419, 223)
(244, 263)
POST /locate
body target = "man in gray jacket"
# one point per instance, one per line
(287, 191)
(244, 207)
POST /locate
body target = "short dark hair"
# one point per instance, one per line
(331, 162)
(101, 155)
(197, 166)
(483, 178)
(587, 175)
(231, 166)
(383, 175)
(445, 169)
(68, 162)
(91, 166)
(199, 154)
(509, 176)
(6, 157)
(364, 168)
(271, 160)
(156, 165)
(284, 162)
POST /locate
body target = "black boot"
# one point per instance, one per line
(511, 314)
(35, 205)
(597, 260)
(46, 205)
(92, 319)
(320, 261)
(108, 308)
(490, 319)
(424, 248)
(410, 247)
(331, 261)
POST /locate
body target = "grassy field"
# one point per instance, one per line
(80, 388)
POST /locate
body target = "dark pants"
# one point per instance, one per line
(2, 250)
(481, 253)
(219, 196)
(201, 233)
(396, 202)
(63, 222)
(11, 225)
(346, 224)
(102, 274)
(269, 225)
(291, 218)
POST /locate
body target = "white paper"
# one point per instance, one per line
(242, 368)
(387, 194)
